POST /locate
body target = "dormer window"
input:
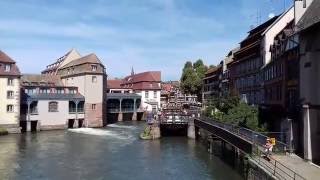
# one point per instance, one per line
(7, 67)
(93, 67)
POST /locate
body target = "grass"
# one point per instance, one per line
(3, 131)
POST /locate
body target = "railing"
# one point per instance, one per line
(74, 110)
(273, 166)
(180, 119)
(113, 110)
(248, 134)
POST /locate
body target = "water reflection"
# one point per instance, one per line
(111, 153)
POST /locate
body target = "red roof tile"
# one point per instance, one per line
(5, 59)
(114, 84)
(149, 76)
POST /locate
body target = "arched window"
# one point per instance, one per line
(53, 106)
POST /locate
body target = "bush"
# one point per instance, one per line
(233, 111)
(3, 131)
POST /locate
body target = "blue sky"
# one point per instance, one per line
(145, 34)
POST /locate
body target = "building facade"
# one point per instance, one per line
(47, 104)
(308, 29)
(89, 75)
(280, 107)
(9, 94)
(148, 86)
(212, 84)
(122, 103)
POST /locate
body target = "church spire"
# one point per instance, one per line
(132, 71)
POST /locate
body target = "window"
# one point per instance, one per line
(68, 72)
(53, 106)
(7, 67)
(72, 91)
(9, 108)
(147, 95)
(9, 94)
(10, 82)
(60, 91)
(93, 106)
(94, 79)
(154, 94)
(45, 91)
(93, 67)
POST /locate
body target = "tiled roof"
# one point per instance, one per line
(41, 79)
(149, 76)
(91, 58)
(146, 86)
(310, 17)
(213, 69)
(54, 66)
(53, 96)
(5, 59)
(114, 84)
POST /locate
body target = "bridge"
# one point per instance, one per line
(250, 143)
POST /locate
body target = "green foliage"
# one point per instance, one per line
(191, 78)
(231, 110)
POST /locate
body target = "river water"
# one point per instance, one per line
(114, 152)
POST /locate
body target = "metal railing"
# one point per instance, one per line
(273, 166)
(74, 110)
(249, 135)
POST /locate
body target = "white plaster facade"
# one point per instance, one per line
(9, 118)
(275, 28)
(53, 120)
(153, 97)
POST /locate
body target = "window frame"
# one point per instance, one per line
(8, 95)
(10, 110)
(50, 104)
(94, 68)
(94, 79)
(7, 67)
(10, 82)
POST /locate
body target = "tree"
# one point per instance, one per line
(192, 77)
(244, 115)
(230, 109)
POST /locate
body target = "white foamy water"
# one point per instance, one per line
(121, 126)
(103, 133)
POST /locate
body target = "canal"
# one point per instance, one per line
(114, 152)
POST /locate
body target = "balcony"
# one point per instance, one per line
(74, 110)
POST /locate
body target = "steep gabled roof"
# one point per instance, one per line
(14, 71)
(310, 17)
(61, 61)
(91, 58)
(5, 58)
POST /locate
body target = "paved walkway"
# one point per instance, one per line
(289, 167)
(300, 166)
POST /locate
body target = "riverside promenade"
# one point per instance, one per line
(282, 165)
(300, 166)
